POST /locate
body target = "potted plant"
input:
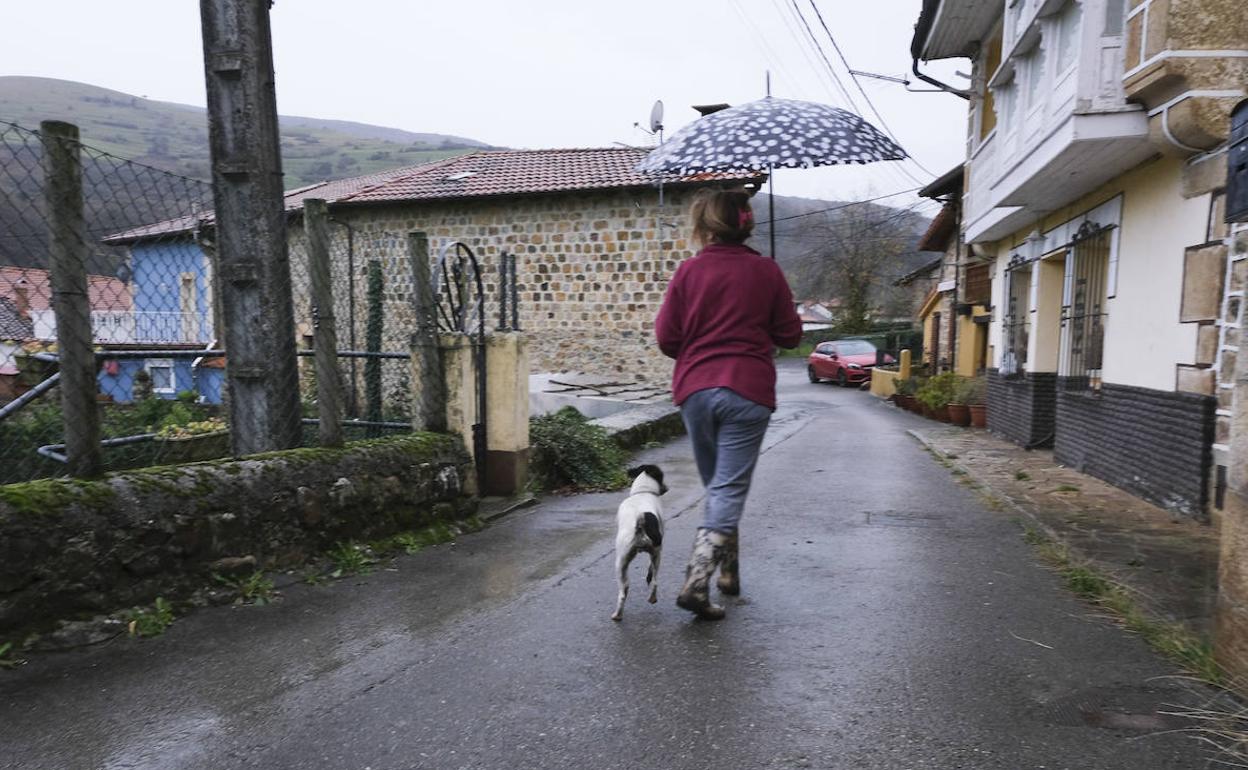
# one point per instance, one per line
(936, 394)
(905, 393)
(959, 411)
(975, 397)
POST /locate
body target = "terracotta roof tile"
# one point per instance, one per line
(475, 175)
(523, 172)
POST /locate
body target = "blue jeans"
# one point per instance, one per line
(727, 432)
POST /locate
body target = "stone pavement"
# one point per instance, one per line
(1169, 563)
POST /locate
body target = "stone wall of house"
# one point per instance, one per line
(1152, 443)
(592, 268)
(1022, 408)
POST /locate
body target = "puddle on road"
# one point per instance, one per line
(164, 746)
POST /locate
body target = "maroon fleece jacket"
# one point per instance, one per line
(724, 312)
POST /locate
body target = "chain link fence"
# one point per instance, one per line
(139, 331)
(108, 290)
(373, 325)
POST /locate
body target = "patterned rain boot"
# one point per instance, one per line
(708, 553)
(730, 569)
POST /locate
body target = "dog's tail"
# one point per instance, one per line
(650, 525)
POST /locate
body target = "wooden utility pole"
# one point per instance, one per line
(429, 400)
(67, 254)
(324, 330)
(257, 310)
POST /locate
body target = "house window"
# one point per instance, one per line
(978, 285)
(1084, 308)
(1035, 78)
(1068, 34)
(1017, 316)
(164, 380)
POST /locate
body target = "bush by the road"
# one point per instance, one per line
(569, 452)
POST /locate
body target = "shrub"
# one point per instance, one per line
(938, 391)
(569, 451)
(971, 390)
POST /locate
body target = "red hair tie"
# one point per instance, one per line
(744, 218)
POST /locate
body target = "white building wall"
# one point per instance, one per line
(1144, 340)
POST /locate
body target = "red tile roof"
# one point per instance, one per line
(525, 172)
(104, 292)
(490, 173)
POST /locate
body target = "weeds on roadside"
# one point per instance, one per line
(351, 558)
(1021, 476)
(6, 656)
(1173, 640)
(253, 589)
(151, 621)
(1066, 488)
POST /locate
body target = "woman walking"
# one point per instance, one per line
(724, 312)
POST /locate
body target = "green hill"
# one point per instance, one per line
(175, 136)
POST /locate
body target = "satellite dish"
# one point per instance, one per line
(656, 116)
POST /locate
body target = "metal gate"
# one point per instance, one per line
(1084, 307)
(459, 289)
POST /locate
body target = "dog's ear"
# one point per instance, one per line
(633, 473)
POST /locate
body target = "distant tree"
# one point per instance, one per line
(856, 260)
(321, 170)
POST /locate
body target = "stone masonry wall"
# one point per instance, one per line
(71, 548)
(1022, 409)
(592, 268)
(1152, 443)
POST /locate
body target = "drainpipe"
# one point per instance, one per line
(942, 86)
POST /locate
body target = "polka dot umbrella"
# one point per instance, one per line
(771, 133)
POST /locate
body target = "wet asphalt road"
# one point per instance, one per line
(889, 620)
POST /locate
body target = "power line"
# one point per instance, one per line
(861, 90)
(762, 42)
(803, 45)
(847, 205)
(819, 48)
(899, 173)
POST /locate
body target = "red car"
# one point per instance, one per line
(848, 362)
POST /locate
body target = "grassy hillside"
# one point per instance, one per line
(175, 136)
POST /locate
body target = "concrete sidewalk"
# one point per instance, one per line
(1170, 564)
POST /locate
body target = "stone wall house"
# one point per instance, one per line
(1096, 163)
(595, 242)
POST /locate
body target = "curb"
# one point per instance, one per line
(634, 428)
(1048, 530)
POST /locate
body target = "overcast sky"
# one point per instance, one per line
(541, 73)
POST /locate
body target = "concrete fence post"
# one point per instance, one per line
(67, 255)
(324, 330)
(903, 369)
(428, 376)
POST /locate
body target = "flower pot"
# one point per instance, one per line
(979, 415)
(905, 402)
(190, 449)
(960, 414)
(941, 413)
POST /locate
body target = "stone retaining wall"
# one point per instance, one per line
(72, 548)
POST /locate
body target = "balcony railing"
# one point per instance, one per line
(145, 327)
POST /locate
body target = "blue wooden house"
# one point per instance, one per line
(171, 286)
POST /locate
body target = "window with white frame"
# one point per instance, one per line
(1036, 84)
(1016, 326)
(1068, 34)
(164, 379)
(1085, 307)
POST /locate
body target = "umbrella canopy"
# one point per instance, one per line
(771, 133)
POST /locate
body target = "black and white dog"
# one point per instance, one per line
(640, 521)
